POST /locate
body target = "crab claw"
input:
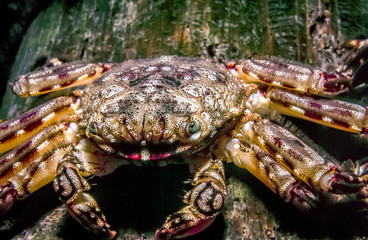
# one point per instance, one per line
(85, 210)
(301, 197)
(205, 201)
(182, 224)
(347, 188)
(356, 62)
(8, 195)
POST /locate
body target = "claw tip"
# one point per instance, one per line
(162, 234)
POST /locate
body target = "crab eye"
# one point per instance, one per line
(92, 128)
(194, 129)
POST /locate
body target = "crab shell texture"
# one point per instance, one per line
(166, 103)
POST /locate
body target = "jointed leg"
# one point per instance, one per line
(271, 173)
(15, 131)
(288, 166)
(204, 201)
(303, 78)
(71, 187)
(290, 75)
(33, 164)
(57, 77)
(296, 85)
(333, 113)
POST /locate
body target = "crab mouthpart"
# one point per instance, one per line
(146, 155)
(142, 151)
(152, 152)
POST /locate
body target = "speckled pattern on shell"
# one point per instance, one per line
(139, 93)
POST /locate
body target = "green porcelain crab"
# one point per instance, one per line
(202, 112)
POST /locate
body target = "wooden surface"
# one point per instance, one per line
(136, 200)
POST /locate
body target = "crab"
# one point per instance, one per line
(187, 110)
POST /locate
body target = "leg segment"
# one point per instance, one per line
(303, 78)
(204, 201)
(292, 86)
(290, 75)
(288, 166)
(15, 131)
(71, 187)
(333, 113)
(270, 172)
(33, 164)
(58, 77)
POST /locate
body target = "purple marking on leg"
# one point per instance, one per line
(284, 104)
(4, 127)
(28, 117)
(342, 124)
(45, 89)
(23, 148)
(295, 155)
(33, 126)
(63, 75)
(265, 80)
(343, 112)
(7, 138)
(314, 105)
(67, 83)
(278, 142)
(312, 115)
(5, 158)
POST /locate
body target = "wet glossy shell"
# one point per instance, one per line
(162, 100)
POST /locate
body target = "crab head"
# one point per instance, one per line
(153, 109)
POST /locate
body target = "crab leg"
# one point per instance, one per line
(58, 77)
(14, 132)
(204, 201)
(275, 176)
(333, 113)
(71, 187)
(355, 59)
(271, 153)
(287, 74)
(33, 164)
